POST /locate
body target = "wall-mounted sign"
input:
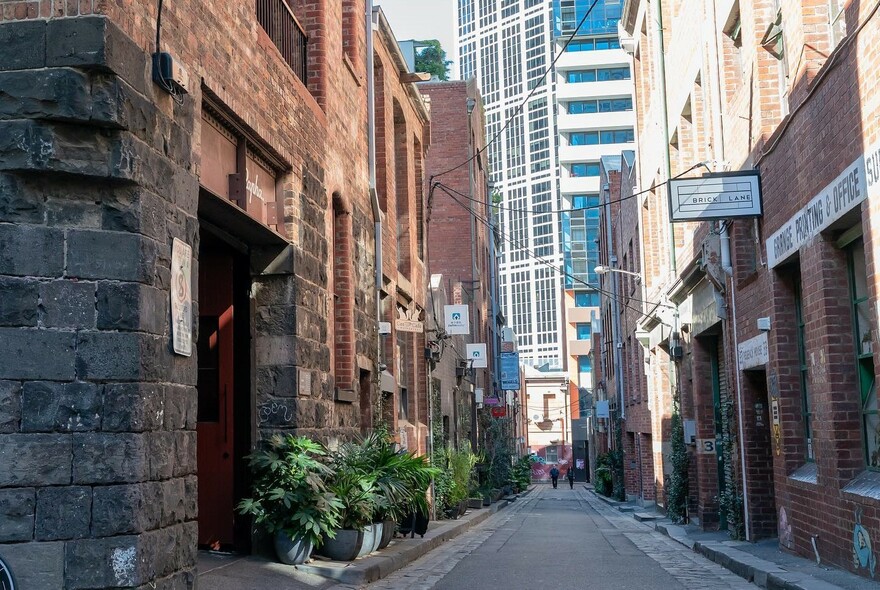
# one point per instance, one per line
(858, 181)
(181, 297)
(457, 319)
(602, 409)
(706, 446)
(715, 196)
(499, 412)
(510, 371)
(476, 354)
(491, 400)
(6, 581)
(753, 352)
(409, 326)
(478, 395)
(384, 327)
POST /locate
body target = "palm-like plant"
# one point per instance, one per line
(289, 493)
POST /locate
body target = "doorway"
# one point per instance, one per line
(719, 395)
(224, 393)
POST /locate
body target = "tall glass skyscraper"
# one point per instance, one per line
(547, 157)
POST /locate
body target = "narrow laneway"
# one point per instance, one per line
(561, 539)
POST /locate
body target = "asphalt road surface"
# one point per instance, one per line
(561, 538)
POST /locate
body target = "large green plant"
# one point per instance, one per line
(677, 488)
(461, 467)
(289, 490)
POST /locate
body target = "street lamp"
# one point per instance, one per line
(601, 270)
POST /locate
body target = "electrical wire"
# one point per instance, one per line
(552, 266)
(520, 107)
(557, 211)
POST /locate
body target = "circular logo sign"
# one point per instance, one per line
(6, 582)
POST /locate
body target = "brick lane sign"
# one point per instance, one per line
(753, 352)
(715, 196)
(858, 181)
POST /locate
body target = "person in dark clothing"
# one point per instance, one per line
(570, 476)
(554, 476)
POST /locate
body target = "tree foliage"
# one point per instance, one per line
(432, 59)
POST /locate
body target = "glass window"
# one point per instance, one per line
(584, 138)
(585, 45)
(585, 365)
(580, 107)
(861, 310)
(607, 43)
(586, 299)
(611, 74)
(552, 455)
(585, 169)
(584, 331)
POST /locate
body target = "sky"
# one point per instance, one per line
(423, 19)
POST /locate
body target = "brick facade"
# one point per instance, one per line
(796, 449)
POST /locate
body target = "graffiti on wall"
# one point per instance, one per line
(786, 537)
(863, 555)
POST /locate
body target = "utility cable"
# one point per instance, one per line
(520, 107)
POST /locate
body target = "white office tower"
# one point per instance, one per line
(507, 45)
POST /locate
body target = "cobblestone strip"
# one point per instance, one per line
(689, 568)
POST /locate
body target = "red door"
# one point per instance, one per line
(215, 386)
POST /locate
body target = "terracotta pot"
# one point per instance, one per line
(292, 551)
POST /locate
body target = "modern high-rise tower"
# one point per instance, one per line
(546, 157)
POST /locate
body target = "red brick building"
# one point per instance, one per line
(761, 333)
(240, 183)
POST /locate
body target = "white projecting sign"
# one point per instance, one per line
(858, 181)
(456, 319)
(477, 354)
(715, 196)
(181, 297)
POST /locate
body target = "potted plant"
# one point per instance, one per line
(290, 498)
(359, 500)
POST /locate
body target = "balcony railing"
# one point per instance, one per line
(277, 19)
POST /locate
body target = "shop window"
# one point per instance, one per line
(802, 366)
(864, 347)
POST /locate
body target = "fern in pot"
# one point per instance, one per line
(290, 499)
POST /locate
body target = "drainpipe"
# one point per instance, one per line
(664, 117)
(473, 282)
(374, 197)
(615, 310)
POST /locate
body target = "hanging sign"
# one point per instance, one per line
(457, 320)
(510, 371)
(491, 400)
(715, 196)
(753, 352)
(602, 409)
(181, 297)
(499, 412)
(476, 353)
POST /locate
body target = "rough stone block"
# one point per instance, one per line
(110, 255)
(36, 354)
(67, 407)
(191, 497)
(162, 454)
(185, 448)
(10, 406)
(18, 305)
(173, 501)
(61, 93)
(276, 320)
(24, 45)
(114, 562)
(118, 356)
(133, 407)
(75, 213)
(126, 509)
(110, 458)
(16, 515)
(40, 146)
(176, 406)
(36, 565)
(35, 459)
(68, 304)
(96, 42)
(28, 250)
(63, 513)
(275, 350)
(16, 205)
(279, 381)
(142, 212)
(132, 306)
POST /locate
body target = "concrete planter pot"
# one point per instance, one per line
(372, 537)
(475, 503)
(292, 551)
(345, 547)
(388, 529)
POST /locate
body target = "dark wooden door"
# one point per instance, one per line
(215, 386)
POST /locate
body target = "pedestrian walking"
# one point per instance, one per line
(570, 476)
(554, 476)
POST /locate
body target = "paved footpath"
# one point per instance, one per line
(560, 538)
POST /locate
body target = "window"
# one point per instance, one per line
(861, 310)
(552, 454)
(585, 169)
(606, 105)
(585, 363)
(599, 74)
(601, 137)
(837, 16)
(276, 18)
(584, 331)
(584, 201)
(584, 138)
(586, 299)
(802, 364)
